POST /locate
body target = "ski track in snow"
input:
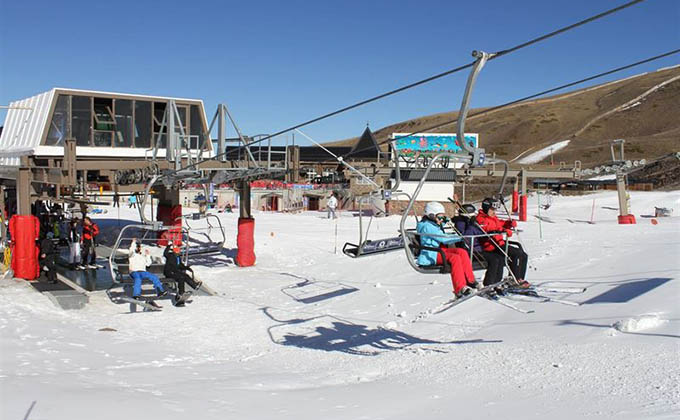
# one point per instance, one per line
(307, 333)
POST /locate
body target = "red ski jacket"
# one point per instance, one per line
(89, 232)
(494, 225)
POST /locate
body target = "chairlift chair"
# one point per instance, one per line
(208, 245)
(412, 245)
(119, 258)
(366, 246)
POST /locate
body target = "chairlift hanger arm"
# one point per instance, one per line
(477, 153)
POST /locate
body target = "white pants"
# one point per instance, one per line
(74, 253)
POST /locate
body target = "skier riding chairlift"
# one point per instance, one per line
(434, 251)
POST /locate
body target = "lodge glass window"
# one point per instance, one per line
(143, 124)
(159, 130)
(123, 114)
(57, 133)
(81, 122)
(103, 122)
(197, 131)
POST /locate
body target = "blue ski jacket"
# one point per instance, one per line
(427, 226)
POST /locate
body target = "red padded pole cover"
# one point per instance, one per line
(627, 219)
(245, 242)
(523, 208)
(169, 216)
(515, 201)
(25, 231)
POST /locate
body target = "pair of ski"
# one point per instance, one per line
(535, 294)
(488, 292)
(510, 292)
(151, 305)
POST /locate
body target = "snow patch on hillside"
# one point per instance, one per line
(539, 155)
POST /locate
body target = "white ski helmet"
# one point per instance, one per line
(433, 208)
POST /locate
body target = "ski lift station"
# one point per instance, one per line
(66, 150)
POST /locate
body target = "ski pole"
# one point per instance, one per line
(335, 250)
(540, 228)
(592, 213)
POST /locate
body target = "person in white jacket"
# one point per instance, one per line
(332, 204)
(139, 261)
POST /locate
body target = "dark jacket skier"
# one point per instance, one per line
(175, 269)
(48, 256)
(494, 253)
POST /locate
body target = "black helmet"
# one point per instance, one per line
(469, 209)
(490, 202)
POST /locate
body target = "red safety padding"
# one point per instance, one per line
(172, 235)
(245, 242)
(25, 231)
(515, 201)
(170, 216)
(523, 208)
(627, 219)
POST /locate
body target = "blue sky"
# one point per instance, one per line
(280, 63)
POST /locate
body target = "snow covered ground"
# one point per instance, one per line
(308, 333)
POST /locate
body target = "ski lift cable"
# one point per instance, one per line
(516, 101)
(420, 82)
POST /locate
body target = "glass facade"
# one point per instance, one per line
(109, 122)
(58, 131)
(197, 131)
(143, 124)
(158, 128)
(103, 122)
(123, 134)
(81, 112)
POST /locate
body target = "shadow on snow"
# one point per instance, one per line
(329, 333)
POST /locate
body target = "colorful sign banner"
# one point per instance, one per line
(428, 144)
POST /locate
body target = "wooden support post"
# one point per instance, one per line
(293, 154)
(69, 164)
(24, 188)
(244, 200)
(623, 199)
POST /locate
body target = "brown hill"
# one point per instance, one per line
(644, 110)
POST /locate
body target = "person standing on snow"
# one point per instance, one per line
(175, 269)
(74, 245)
(432, 236)
(332, 204)
(90, 232)
(493, 246)
(139, 261)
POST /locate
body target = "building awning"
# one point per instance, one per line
(314, 194)
(435, 175)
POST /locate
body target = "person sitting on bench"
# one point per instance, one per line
(462, 277)
(175, 269)
(138, 263)
(494, 246)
